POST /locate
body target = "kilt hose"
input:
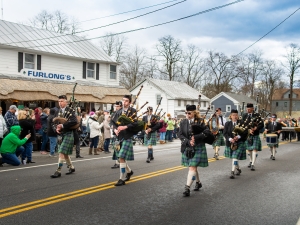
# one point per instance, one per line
(66, 146)
(126, 150)
(151, 140)
(199, 160)
(239, 154)
(256, 145)
(219, 141)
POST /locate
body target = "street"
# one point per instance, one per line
(269, 195)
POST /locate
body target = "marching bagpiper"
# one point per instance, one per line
(220, 137)
(273, 127)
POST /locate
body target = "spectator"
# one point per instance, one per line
(170, 128)
(43, 132)
(162, 132)
(51, 133)
(94, 133)
(27, 127)
(84, 119)
(38, 123)
(101, 138)
(3, 128)
(107, 133)
(11, 146)
(10, 117)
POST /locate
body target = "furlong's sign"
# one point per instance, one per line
(46, 75)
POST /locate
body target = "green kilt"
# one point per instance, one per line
(151, 140)
(67, 144)
(239, 154)
(273, 145)
(219, 141)
(115, 155)
(256, 145)
(126, 151)
(200, 158)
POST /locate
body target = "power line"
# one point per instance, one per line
(144, 28)
(268, 32)
(122, 21)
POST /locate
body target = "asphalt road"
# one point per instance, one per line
(269, 195)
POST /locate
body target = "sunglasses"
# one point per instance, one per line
(189, 113)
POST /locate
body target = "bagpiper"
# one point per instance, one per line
(273, 127)
(220, 137)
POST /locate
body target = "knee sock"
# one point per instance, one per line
(190, 178)
(235, 164)
(128, 170)
(69, 162)
(197, 176)
(253, 157)
(122, 171)
(274, 151)
(217, 150)
(250, 155)
(60, 164)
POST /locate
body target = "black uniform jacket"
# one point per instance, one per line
(72, 120)
(272, 128)
(247, 120)
(228, 128)
(128, 133)
(154, 126)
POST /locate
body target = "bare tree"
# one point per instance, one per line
(132, 70)
(170, 50)
(151, 68)
(57, 21)
(114, 46)
(292, 65)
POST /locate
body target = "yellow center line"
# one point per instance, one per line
(82, 192)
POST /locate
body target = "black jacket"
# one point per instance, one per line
(228, 128)
(128, 133)
(154, 125)
(269, 126)
(247, 120)
(27, 126)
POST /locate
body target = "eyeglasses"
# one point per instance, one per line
(189, 113)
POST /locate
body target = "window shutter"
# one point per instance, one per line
(97, 71)
(84, 70)
(20, 61)
(39, 62)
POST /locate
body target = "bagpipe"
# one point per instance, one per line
(154, 119)
(69, 111)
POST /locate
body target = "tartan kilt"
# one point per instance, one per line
(151, 140)
(199, 160)
(239, 154)
(126, 151)
(115, 155)
(219, 141)
(273, 145)
(67, 144)
(256, 144)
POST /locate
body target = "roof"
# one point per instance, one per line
(278, 94)
(31, 38)
(30, 90)
(174, 89)
(236, 98)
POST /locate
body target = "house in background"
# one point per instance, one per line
(228, 101)
(281, 102)
(175, 96)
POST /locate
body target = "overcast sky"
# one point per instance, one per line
(228, 30)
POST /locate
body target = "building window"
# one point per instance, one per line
(285, 104)
(228, 108)
(113, 72)
(179, 102)
(276, 103)
(29, 61)
(204, 104)
(158, 99)
(90, 70)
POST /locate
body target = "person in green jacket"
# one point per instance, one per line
(11, 146)
(170, 127)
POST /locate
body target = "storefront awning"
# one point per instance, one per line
(28, 90)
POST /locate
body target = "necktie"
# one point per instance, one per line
(222, 120)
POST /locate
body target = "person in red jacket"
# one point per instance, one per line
(162, 131)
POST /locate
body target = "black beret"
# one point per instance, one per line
(190, 107)
(149, 108)
(234, 111)
(62, 97)
(249, 105)
(119, 103)
(128, 97)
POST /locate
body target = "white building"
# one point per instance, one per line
(38, 65)
(175, 96)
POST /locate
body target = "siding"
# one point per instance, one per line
(281, 106)
(286, 95)
(9, 61)
(221, 102)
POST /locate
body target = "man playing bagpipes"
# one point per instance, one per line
(255, 145)
(152, 122)
(124, 135)
(193, 134)
(67, 120)
(220, 137)
(273, 128)
(235, 137)
(118, 106)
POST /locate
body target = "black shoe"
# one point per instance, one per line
(148, 160)
(197, 186)
(252, 168)
(79, 156)
(56, 174)
(128, 175)
(249, 166)
(187, 191)
(232, 175)
(115, 166)
(152, 158)
(120, 183)
(239, 171)
(273, 157)
(29, 161)
(70, 171)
